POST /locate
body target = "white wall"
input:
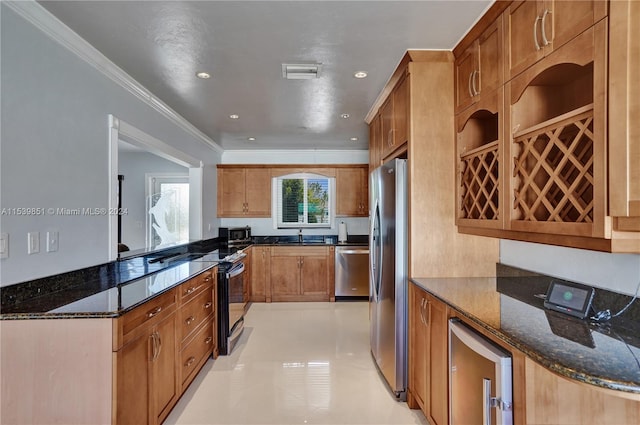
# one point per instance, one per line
(264, 226)
(616, 272)
(54, 149)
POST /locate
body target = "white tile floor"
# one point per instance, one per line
(296, 363)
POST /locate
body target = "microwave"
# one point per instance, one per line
(235, 235)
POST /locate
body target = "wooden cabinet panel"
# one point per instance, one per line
(400, 113)
(352, 192)
(244, 192)
(417, 386)
(465, 67)
(164, 385)
(196, 352)
(386, 127)
(303, 273)
(375, 142)
(438, 360)
(193, 313)
(132, 382)
(314, 277)
(522, 19)
(285, 276)
(260, 274)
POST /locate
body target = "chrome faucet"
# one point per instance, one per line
(300, 236)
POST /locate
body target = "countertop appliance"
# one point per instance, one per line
(479, 379)
(239, 237)
(388, 272)
(352, 271)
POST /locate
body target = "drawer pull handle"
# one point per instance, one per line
(208, 279)
(190, 290)
(208, 340)
(190, 320)
(207, 305)
(190, 361)
(154, 312)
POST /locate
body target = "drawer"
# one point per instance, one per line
(148, 313)
(193, 313)
(196, 352)
(191, 287)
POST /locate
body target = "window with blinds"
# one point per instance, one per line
(303, 200)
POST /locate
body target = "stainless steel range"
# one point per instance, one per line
(231, 301)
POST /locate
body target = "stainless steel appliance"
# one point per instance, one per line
(231, 300)
(479, 379)
(388, 272)
(238, 237)
(352, 271)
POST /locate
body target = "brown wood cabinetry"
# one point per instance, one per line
(479, 69)
(394, 116)
(552, 163)
(302, 273)
(146, 379)
(352, 191)
(375, 142)
(244, 191)
(428, 356)
(534, 29)
(261, 273)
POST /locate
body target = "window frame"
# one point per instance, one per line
(276, 195)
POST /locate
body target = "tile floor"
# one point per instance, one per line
(296, 363)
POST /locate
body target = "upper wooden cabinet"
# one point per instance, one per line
(560, 172)
(479, 69)
(394, 115)
(534, 29)
(352, 191)
(375, 142)
(244, 192)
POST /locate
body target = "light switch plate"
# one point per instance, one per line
(33, 242)
(4, 245)
(52, 241)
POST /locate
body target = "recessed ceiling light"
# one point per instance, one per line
(353, 139)
(234, 116)
(251, 139)
(360, 74)
(345, 116)
(203, 75)
(301, 71)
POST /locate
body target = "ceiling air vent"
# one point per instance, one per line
(300, 71)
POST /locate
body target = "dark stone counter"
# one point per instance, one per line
(606, 355)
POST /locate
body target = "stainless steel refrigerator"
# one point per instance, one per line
(388, 272)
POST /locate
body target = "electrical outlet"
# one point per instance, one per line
(52, 241)
(4, 245)
(33, 242)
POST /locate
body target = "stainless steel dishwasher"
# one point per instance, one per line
(352, 271)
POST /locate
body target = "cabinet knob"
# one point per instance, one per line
(190, 361)
(154, 312)
(190, 320)
(207, 305)
(190, 290)
(208, 340)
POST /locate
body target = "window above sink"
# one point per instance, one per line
(303, 200)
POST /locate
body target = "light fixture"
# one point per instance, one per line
(251, 139)
(234, 116)
(203, 75)
(360, 74)
(345, 116)
(354, 139)
(301, 71)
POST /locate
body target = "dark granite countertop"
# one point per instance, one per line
(605, 355)
(311, 240)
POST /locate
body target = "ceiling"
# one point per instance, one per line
(243, 44)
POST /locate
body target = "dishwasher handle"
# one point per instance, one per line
(354, 251)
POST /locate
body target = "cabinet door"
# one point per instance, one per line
(164, 376)
(258, 192)
(314, 278)
(465, 68)
(285, 276)
(132, 386)
(259, 273)
(401, 113)
(375, 142)
(490, 67)
(437, 367)
(386, 126)
(351, 192)
(231, 192)
(564, 20)
(523, 35)
(417, 349)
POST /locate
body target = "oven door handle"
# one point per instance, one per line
(235, 270)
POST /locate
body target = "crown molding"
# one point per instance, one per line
(56, 30)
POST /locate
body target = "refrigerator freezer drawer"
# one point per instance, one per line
(479, 379)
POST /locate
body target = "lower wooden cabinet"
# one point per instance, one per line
(159, 348)
(146, 376)
(428, 356)
(260, 273)
(302, 273)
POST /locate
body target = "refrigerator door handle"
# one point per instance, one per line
(376, 257)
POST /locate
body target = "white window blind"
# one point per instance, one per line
(303, 200)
